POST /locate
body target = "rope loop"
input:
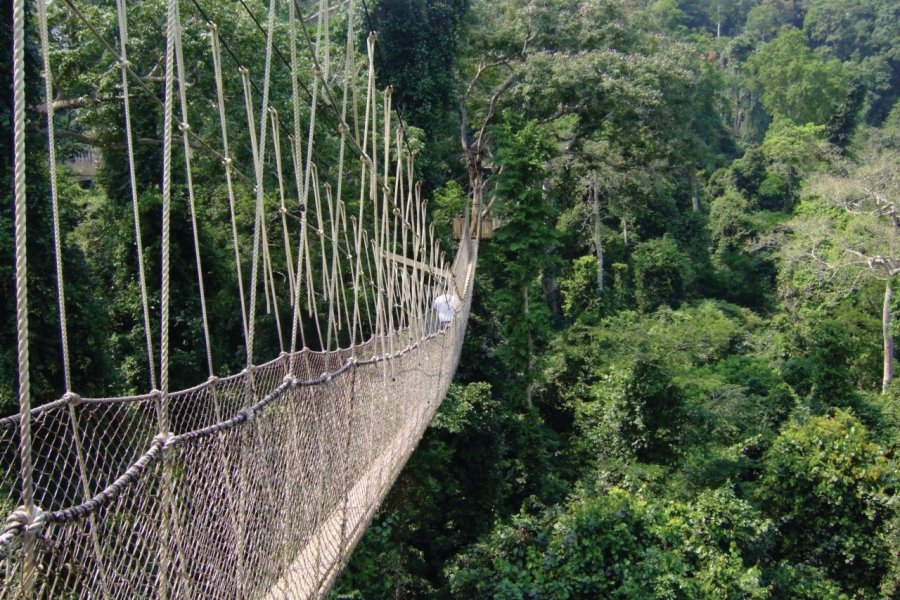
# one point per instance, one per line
(16, 523)
(212, 26)
(163, 440)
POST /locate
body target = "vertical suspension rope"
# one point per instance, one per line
(258, 163)
(163, 407)
(129, 143)
(282, 208)
(296, 155)
(54, 192)
(185, 128)
(257, 169)
(307, 172)
(296, 325)
(25, 467)
(60, 290)
(220, 98)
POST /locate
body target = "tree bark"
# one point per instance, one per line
(695, 194)
(529, 386)
(598, 240)
(719, 19)
(888, 338)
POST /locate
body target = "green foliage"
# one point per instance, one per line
(637, 412)
(678, 446)
(796, 84)
(662, 274)
(729, 222)
(828, 485)
(579, 290)
(449, 202)
(521, 249)
(417, 53)
(620, 544)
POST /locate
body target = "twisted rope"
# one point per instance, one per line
(129, 142)
(184, 126)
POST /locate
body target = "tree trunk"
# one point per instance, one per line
(888, 338)
(718, 19)
(598, 240)
(551, 296)
(529, 386)
(695, 194)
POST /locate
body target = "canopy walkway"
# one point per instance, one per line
(258, 484)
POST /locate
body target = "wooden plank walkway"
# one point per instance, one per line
(320, 562)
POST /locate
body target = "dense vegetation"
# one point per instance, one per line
(677, 380)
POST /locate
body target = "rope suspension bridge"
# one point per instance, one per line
(258, 484)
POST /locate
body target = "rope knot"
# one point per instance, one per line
(163, 439)
(290, 380)
(343, 129)
(317, 72)
(389, 90)
(213, 380)
(227, 161)
(21, 521)
(243, 71)
(212, 26)
(183, 127)
(272, 111)
(282, 210)
(123, 62)
(72, 398)
(16, 523)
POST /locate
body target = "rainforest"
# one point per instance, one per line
(678, 379)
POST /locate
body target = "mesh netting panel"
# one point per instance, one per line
(265, 485)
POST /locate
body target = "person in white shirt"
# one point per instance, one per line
(446, 306)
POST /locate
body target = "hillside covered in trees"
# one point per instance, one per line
(678, 377)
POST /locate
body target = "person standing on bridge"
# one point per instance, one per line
(446, 305)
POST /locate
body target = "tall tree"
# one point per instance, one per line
(795, 83)
(861, 241)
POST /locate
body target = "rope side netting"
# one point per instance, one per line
(258, 484)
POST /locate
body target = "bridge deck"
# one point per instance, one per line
(321, 561)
